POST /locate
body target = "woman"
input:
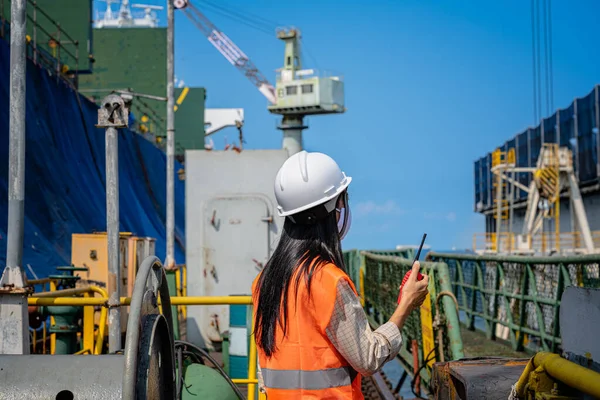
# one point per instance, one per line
(312, 334)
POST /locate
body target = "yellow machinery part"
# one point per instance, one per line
(545, 370)
(90, 250)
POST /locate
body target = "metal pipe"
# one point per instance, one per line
(99, 301)
(126, 301)
(579, 209)
(252, 360)
(292, 127)
(112, 228)
(67, 292)
(14, 332)
(16, 158)
(451, 311)
(170, 261)
(573, 375)
(578, 259)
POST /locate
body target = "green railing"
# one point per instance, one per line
(382, 277)
(354, 261)
(516, 298)
(48, 45)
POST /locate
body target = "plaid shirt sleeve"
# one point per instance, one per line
(349, 331)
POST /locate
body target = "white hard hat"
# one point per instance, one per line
(306, 180)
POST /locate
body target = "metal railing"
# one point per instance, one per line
(57, 45)
(517, 298)
(429, 334)
(544, 242)
(92, 342)
(252, 379)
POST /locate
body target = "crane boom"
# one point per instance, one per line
(230, 51)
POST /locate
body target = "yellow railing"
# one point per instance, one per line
(181, 284)
(490, 241)
(47, 300)
(88, 313)
(543, 242)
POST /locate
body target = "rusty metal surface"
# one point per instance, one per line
(33, 377)
(477, 378)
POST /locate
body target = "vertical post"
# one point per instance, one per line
(292, 126)
(113, 114)
(112, 229)
(597, 108)
(498, 210)
(170, 261)
(576, 134)
(14, 329)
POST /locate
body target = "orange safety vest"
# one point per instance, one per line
(306, 365)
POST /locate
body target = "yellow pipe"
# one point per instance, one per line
(125, 301)
(101, 331)
(52, 321)
(522, 382)
(574, 375)
(44, 338)
(242, 381)
(183, 95)
(184, 288)
(38, 281)
(80, 352)
(210, 300)
(64, 292)
(70, 301)
(252, 364)
(102, 322)
(88, 324)
(52, 298)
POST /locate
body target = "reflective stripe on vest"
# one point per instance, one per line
(308, 380)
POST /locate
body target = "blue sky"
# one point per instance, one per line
(430, 87)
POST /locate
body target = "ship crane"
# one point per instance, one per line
(228, 49)
(298, 93)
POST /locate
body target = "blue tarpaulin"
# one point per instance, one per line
(65, 175)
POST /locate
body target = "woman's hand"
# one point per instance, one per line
(413, 295)
(414, 291)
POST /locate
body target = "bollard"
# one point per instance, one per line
(112, 115)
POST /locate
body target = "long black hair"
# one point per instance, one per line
(299, 245)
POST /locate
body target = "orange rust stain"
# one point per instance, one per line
(516, 363)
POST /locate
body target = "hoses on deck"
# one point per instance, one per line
(414, 378)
